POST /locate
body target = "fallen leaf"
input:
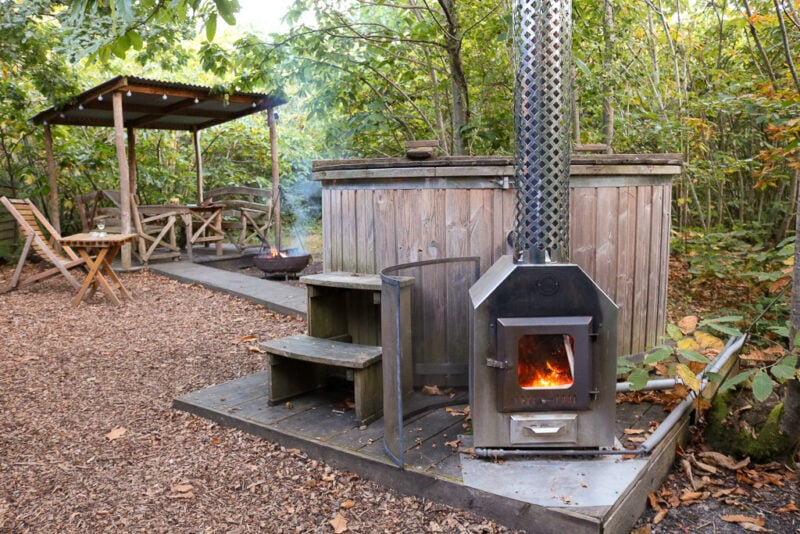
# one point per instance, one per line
(29, 358)
(256, 348)
(346, 505)
(435, 390)
(743, 519)
(791, 507)
(630, 431)
(456, 443)
(251, 337)
(707, 341)
(724, 460)
(688, 343)
(116, 433)
(691, 496)
(753, 528)
(339, 524)
(645, 529)
(688, 324)
(660, 516)
(181, 488)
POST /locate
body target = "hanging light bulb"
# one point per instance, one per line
(164, 96)
(196, 100)
(100, 98)
(61, 115)
(129, 92)
(254, 104)
(44, 122)
(80, 107)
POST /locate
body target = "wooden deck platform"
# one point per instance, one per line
(545, 494)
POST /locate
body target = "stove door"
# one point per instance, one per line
(545, 363)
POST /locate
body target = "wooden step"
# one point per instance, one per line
(298, 364)
(324, 351)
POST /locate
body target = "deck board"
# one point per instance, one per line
(315, 424)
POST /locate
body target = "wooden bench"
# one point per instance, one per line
(247, 213)
(298, 364)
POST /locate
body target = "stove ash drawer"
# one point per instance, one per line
(544, 428)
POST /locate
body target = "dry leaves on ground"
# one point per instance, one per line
(90, 442)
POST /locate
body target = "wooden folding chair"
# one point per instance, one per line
(33, 226)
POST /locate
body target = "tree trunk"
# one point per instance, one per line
(608, 59)
(790, 418)
(458, 80)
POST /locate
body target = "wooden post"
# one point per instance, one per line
(276, 194)
(55, 218)
(199, 167)
(132, 170)
(124, 178)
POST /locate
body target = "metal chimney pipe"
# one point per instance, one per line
(543, 46)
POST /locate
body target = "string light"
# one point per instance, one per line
(80, 107)
(44, 122)
(129, 92)
(164, 96)
(61, 115)
(196, 100)
(100, 98)
(254, 104)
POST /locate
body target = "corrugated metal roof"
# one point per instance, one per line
(156, 104)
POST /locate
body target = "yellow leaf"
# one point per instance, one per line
(688, 324)
(688, 377)
(251, 337)
(707, 341)
(688, 343)
(116, 433)
(256, 348)
(789, 261)
(346, 505)
(339, 524)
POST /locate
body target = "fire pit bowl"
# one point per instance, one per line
(291, 260)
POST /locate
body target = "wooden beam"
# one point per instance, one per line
(55, 217)
(124, 178)
(276, 194)
(198, 155)
(132, 167)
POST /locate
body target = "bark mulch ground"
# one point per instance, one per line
(89, 441)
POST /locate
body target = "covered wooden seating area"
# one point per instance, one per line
(126, 103)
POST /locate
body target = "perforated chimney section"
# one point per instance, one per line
(543, 44)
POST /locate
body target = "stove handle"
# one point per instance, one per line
(497, 364)
(549, 430)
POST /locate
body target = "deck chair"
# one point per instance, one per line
(33, 226)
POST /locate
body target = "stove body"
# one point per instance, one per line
(543, 362)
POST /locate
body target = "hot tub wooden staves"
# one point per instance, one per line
(382, 212)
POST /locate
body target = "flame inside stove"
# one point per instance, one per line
(545, 361)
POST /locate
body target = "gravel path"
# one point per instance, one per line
(89, 441)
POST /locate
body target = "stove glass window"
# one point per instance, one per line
(545, 361)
